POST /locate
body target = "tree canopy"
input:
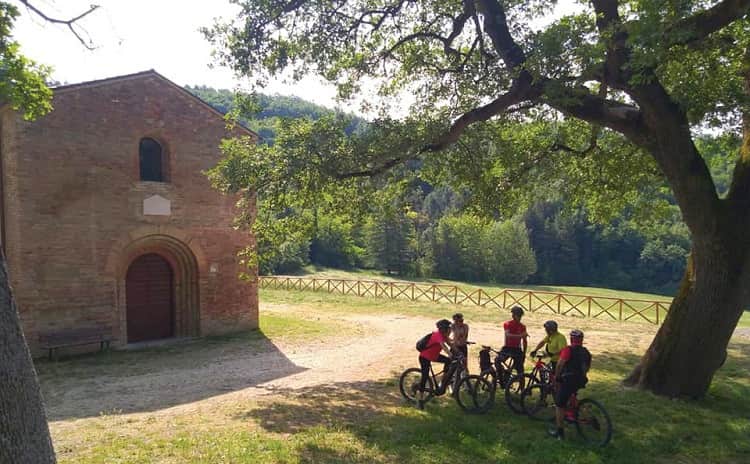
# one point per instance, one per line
(467, 62)
(600, 102)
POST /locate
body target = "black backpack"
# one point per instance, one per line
(577, 367)
(422, 342)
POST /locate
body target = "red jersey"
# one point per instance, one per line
(565, 354)
(433, 346)
(515, 328)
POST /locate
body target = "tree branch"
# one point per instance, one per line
(522, 90)
(496, 26)
(580, 103)
(700, 25)
(66, 22)
(609, 25)
(374, 171)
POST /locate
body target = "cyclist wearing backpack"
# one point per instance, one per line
(554, 341)
(430, 352)
(516, 340)
(570, 373)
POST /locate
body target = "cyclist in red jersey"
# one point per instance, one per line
(570, 374)
(438, 342)
(516, 339)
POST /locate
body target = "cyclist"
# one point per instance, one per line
(460, 335)
(516, 340)
(554, 341)
(570, 373)
(438, 342)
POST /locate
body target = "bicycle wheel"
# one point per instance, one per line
(513, 390)
(475, 394)
(538, 402)
(409, 385)
(458, 376)
(593, 422)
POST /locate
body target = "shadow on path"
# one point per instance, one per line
(159, 377)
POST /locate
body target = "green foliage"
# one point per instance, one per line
(22, 81)
(570, 249)
(264, 113)
(467, 247)
(282, 245)
(458, 248)
(509, 256)
(336, 243)
(390, 240)
(720, 153)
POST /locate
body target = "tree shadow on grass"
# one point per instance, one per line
(370, 422)
(159, 377)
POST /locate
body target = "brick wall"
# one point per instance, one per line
(74, 205)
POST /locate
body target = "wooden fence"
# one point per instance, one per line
(616, 309)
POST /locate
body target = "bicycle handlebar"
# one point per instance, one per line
(487, 347)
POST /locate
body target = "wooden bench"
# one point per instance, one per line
(75, 337)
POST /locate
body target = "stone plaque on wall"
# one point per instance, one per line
(157, 205)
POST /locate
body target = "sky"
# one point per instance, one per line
(136, 35)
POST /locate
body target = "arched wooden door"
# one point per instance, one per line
(149, 298)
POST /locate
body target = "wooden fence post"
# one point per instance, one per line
(657, 312)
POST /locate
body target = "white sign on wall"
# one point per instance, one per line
(157, 205)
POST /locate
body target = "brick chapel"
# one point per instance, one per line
(107, 219)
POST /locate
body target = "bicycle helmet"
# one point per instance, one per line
(516, 311)
(443, 324)
(551, 325)
(576, 336)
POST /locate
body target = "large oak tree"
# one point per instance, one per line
(649, 72)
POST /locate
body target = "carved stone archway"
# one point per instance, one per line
(185, 285)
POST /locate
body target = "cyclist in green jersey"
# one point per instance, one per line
(554, 341)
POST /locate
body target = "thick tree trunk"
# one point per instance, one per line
(24, 434)
(691, 344)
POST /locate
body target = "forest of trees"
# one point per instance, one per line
(429, 231)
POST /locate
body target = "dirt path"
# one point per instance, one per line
(221, 374)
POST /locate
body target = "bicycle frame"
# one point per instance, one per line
(448, 375)
(505, 368)
(542, 371)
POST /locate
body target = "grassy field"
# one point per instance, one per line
(366, 421)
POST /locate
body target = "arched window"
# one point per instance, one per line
(151, 159)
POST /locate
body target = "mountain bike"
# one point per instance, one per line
(451, 377)
(534, 399)
(497, 375)
(589, 416)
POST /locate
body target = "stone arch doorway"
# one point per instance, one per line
(158, 288)
(150, 299)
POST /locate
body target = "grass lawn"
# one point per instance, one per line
(366, 421)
